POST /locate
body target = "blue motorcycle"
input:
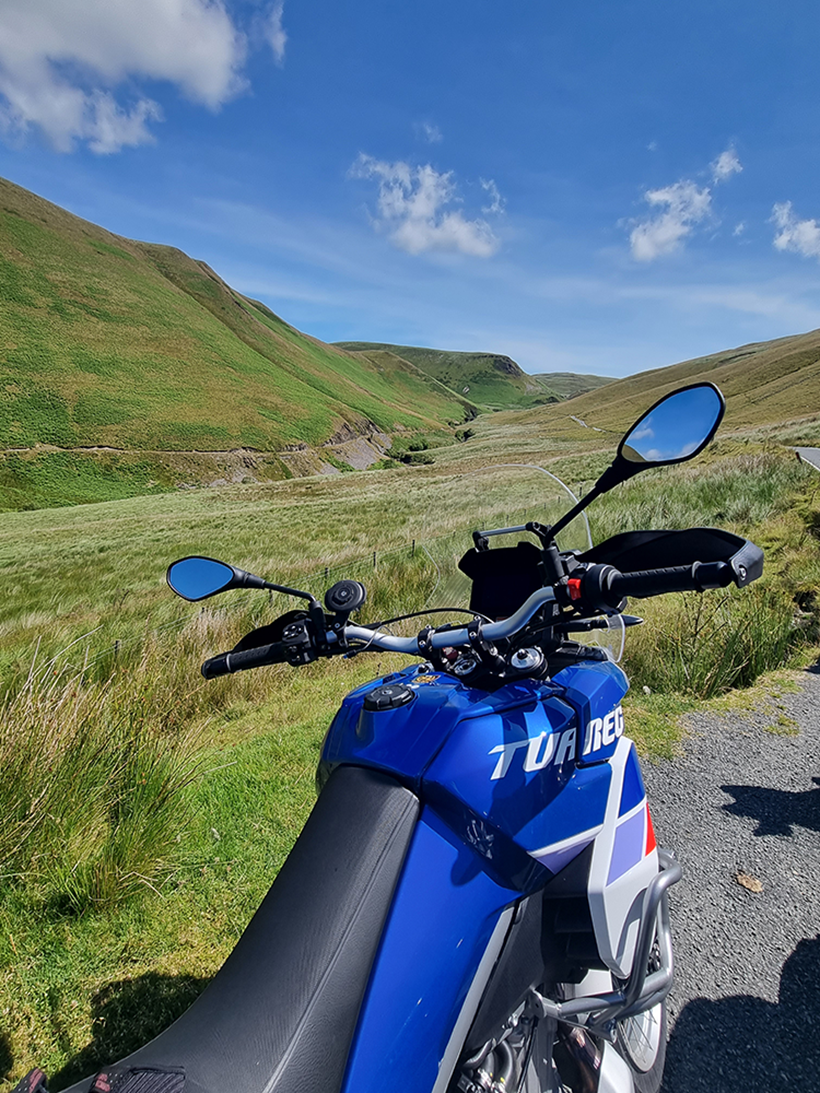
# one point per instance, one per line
(477, 902)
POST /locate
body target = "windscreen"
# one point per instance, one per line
(490, 499)
(423, 578)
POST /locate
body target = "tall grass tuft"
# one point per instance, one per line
(704, 645)
(91, 779)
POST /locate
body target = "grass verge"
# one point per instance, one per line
(88, 970)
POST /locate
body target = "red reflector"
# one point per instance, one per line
(574, 586)
(650, 834)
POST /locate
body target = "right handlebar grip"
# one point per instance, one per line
(216, 666)
(682, 578)
(227, 663)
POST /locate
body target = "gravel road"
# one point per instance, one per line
(744, 800)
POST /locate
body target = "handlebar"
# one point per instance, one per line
(277, 652)
(493, 631)
(600, 588)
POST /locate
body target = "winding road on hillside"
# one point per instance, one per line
(741, 808)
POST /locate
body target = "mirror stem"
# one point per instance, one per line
(610, 477)
(568, 517)
(286, 590)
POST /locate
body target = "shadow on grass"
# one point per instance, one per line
(777, 811)
(126, 1015)
(746, 1043)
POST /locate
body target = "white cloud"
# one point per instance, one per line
(413, 209)
(61, 62)
(726, 165)
(274, 32)
(644, 433)
(425, 130)
(496, 200)
(685, 205)
(801, 236)
(739, 229)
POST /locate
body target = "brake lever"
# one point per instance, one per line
(599, 622)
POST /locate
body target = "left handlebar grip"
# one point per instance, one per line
(227, 663)
(216, 666)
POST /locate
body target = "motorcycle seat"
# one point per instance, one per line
(280, 1015)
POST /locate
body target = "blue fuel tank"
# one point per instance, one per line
(519, 774)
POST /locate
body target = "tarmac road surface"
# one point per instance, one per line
(810, 456)
(741, 808)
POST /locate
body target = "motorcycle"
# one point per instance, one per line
(477, 902)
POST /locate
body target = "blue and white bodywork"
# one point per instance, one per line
(514, 785)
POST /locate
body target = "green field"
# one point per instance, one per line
(107, 342)
(113, 919)
(570, 384)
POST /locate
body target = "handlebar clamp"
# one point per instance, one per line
(484, 650)
(424, 642)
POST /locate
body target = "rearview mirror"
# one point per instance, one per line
(676, 428)
(198, 578)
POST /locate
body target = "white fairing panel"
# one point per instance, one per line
(624, 861)
(471, 1002)
(615, 1075)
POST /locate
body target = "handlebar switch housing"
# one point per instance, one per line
(298, 643)
(595, 591)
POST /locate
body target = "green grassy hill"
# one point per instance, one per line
(570, 384)
(491, 380)
(134, 347)
(770, 386)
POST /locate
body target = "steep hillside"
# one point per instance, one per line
(570, 384)
(137, 348)
(491, 380)
(771, 384)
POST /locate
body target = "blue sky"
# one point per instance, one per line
(596, 188)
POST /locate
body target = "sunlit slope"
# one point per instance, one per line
(491, 380)
(107, 341)
(570, 384)
(765, 383)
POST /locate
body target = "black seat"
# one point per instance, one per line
(280, 1014)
